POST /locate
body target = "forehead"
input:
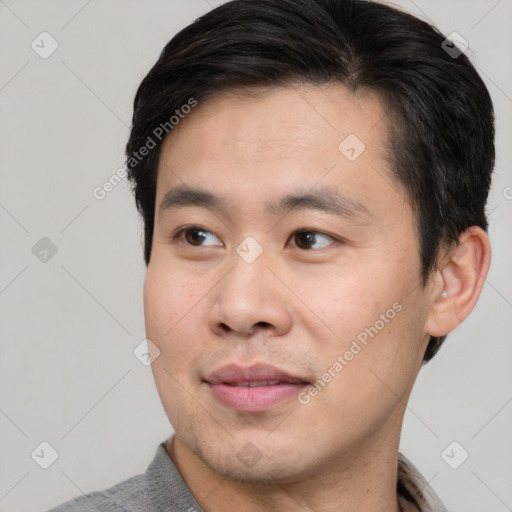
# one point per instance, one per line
(283, 121)
(255, 142)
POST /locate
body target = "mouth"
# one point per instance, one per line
(255, 388)
(254, 383)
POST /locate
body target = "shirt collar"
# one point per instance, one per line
(414, 493)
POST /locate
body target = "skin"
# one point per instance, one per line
(293, 307)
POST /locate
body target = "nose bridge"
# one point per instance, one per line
(249, 274)
(250, 250)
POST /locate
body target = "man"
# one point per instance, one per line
(312, 176)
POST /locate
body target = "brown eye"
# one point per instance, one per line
(194, 236)
(197, 237)
(307, 239)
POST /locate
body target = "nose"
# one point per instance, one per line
(250, 299)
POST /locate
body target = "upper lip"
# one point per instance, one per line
(233, 374)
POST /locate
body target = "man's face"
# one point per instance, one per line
(323, 292)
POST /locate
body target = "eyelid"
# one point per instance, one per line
(313, 230)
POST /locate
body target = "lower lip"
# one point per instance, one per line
(254, 399)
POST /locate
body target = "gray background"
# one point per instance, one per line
(69, 325)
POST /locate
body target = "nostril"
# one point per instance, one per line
(258, 325)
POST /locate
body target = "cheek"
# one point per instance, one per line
(346, 302)
(382, 345)
(375, 317)
(171, 307)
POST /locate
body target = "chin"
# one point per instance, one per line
(259, 466)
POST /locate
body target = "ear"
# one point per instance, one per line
(458, 281)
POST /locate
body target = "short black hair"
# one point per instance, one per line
(441, 119)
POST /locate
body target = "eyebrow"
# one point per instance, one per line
(324, 199)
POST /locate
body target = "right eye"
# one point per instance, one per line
(196, 237)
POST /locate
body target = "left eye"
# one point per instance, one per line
(309, 239)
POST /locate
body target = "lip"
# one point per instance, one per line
(254, 388)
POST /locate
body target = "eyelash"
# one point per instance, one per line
(178, 236)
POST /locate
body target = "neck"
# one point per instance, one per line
(363, 483)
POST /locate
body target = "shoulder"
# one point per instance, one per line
(160, 488)
(123, 497)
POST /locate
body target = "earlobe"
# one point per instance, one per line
(458, 281)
